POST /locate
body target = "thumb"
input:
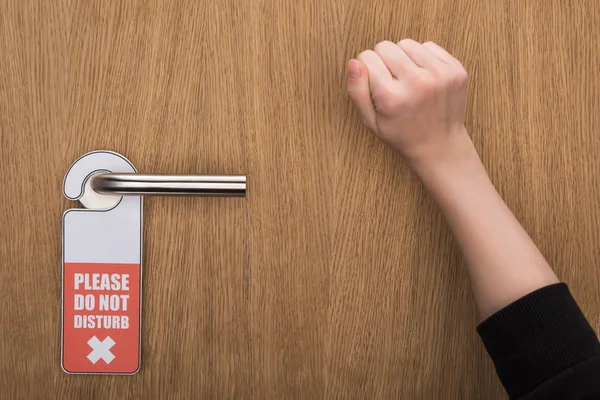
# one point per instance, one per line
(360, 93)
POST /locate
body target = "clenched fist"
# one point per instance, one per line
(413, 97)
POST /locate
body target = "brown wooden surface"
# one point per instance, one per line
(336, 277)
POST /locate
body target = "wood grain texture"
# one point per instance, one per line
(336, 277)
(396, 269)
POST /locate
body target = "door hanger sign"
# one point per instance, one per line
(101, 273)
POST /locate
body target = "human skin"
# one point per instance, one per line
(413, 97)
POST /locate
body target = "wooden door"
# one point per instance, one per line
(336, 276)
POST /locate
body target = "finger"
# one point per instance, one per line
(441, 53)
(394, 58)
(360, 93)
(379, 74)
(419, 54)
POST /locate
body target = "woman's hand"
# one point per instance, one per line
(413, 97)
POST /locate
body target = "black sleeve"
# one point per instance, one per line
(543, 347)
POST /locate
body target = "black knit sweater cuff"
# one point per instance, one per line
(537, 337)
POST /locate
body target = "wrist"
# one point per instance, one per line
(454, 175)
(456, 156)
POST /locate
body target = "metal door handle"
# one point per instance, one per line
(167, 185)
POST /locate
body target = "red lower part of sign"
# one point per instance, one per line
(101, 318)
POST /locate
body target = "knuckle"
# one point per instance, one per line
(382, 45)
(364, 55)
(461, 77)
(436, 73)
(379, 47)
(447, 76)
(424, 82)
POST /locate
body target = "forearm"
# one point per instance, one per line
(413, 97)
(503, 262)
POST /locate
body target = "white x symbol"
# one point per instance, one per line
(101, 350)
